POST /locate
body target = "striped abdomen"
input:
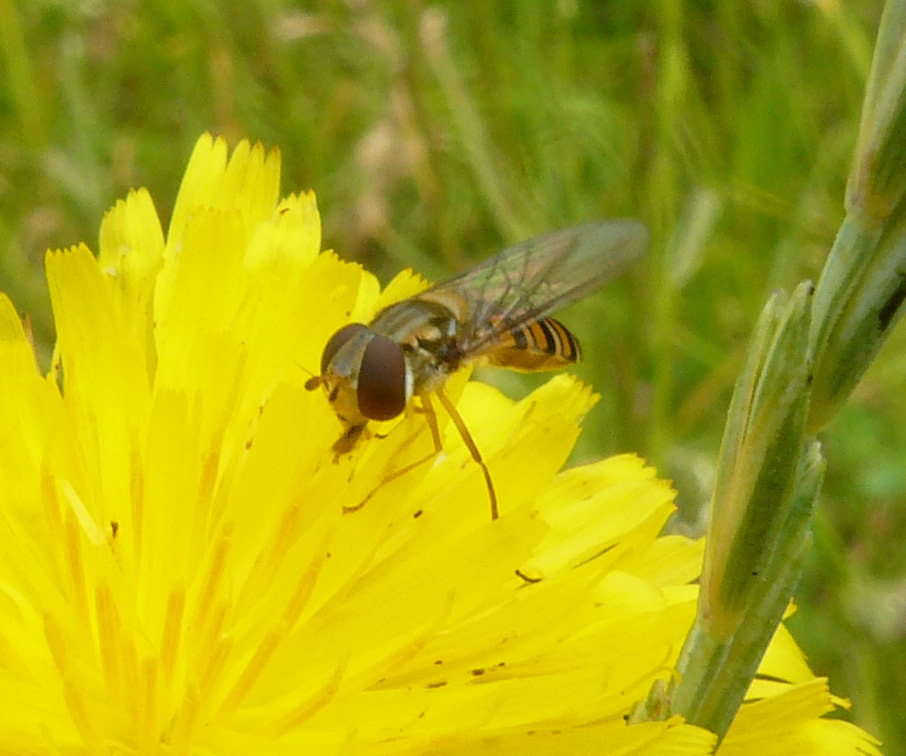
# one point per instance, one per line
(541, 344)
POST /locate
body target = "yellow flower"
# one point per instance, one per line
(177, 573)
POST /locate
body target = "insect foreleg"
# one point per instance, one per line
(348, 440)
(435, 435)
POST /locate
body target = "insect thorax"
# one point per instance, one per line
(428, 334)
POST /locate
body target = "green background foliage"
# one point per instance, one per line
(436, 134)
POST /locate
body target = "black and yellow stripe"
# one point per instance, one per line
(541, 344)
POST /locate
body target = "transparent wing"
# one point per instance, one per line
(538, 276)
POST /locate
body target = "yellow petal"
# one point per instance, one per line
(188, 566)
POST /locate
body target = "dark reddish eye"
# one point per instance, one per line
(382, 379)
(337, 341)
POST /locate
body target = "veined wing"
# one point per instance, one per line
(536, 277)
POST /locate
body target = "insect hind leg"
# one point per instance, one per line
(470, 444)
(431, 418)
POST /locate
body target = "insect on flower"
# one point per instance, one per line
(495, 313)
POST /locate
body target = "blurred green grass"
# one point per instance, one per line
(435, 134)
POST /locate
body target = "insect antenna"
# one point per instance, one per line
(314, 381)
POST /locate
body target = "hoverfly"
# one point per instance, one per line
(495, 313)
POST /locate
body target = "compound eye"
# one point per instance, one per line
(336, 342)
(382, 391)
